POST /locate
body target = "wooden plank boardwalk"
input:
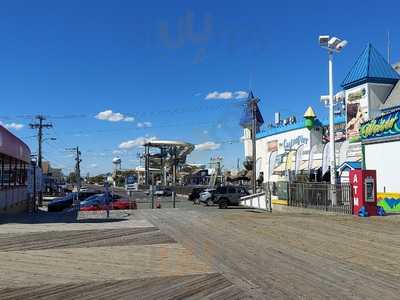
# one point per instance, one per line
(292, 256)
(206, 286)
(201, 253)
(126, 258)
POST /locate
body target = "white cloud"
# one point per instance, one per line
(226, 95)
(15, 126)
(144, 124)
(205, 131)
(241, 94)
(138, 142)
(109, 115)
(207, 146)
(217, 95)
(118, 152)
(93, 165)
(129, 119)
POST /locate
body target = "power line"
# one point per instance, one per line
(40, 126)
(169, 125)
(176, 110)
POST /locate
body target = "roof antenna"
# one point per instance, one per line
(250, 81)
(388, 46)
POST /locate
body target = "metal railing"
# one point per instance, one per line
(321, 196)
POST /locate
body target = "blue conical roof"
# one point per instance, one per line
(370, 66)
(247, 115)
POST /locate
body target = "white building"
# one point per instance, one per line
(283, 148)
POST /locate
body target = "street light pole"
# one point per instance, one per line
(331, 123)
(332, 44)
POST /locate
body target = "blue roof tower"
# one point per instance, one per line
(371, 67)
(247, 115)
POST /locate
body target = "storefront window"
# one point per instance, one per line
(7, 171)
(13, 172)
(1, 171)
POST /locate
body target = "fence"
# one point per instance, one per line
(260, 200)
(321, 196)
(150, 201)
(14, 199)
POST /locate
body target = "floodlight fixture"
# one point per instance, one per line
(341, 45)
(333, 42)
(323, 39)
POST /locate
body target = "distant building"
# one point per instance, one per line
(53, 178)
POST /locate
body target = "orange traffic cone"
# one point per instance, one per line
(158, 204)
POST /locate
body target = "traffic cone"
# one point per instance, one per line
(133, 204)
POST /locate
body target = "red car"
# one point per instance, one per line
(116, 204)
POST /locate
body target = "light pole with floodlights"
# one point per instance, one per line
(332, 44)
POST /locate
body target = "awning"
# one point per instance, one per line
(303, 165)
(12, 146)
(280, 168)
(316, 164)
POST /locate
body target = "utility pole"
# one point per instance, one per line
(78, 161)
(147, 165)
(253, 103)
(39, 126)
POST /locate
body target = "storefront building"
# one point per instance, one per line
(14, 166)
(381, 142)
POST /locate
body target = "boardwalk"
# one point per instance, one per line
(200, 253)
(293, 256)
(128, 258)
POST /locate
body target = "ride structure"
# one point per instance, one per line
(168, 158)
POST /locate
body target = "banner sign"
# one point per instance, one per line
(355, 113)
(382, 127)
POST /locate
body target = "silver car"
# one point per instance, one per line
(206, 197)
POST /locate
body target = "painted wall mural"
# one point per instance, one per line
(382, 127)
(390, 202)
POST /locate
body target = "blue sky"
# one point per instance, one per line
(156, 61)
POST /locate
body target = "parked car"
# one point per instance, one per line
(207, 196)
(99, 199)
(115, 205)
(226, 196)
(195, 194)
(159, 191)
(163, 192)
(98, 202)
(59, 204)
